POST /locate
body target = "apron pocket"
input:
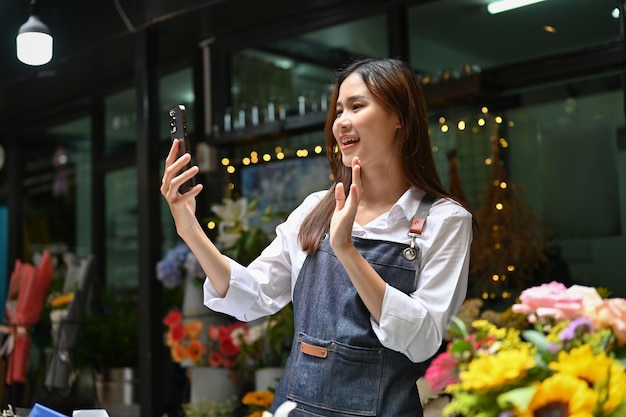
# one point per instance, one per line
(335, 376)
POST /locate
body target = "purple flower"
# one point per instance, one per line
(576, 329)
(507, 413)
(170, 269)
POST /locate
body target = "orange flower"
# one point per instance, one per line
(178, 352)
(258, 398)
(193, 329)
(195, 349)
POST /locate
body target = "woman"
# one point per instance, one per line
(372, 293)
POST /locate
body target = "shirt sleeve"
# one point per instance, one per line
(266, 285)
(415, 324)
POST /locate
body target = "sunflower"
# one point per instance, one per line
(493, 372)
(562, 395)
(599, 371)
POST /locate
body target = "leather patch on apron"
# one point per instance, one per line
(320, 352)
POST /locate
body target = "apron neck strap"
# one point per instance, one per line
(419, 218)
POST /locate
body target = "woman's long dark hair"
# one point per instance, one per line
(394, 84)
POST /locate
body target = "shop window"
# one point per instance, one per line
(121, 228)
(57, 196)
(563, 148)
(120, 122)
(453, 37)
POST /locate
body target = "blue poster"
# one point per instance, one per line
(4, 253)
(284, 184)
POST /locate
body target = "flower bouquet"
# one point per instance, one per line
(568, 362)
(189, 343)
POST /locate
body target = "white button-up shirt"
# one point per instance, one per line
(413, 324)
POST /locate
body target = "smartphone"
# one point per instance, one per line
(178, 130)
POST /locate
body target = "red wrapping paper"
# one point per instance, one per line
(32, 291)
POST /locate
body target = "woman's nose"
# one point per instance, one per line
(345, 122)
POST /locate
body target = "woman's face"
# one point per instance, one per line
(363, 127)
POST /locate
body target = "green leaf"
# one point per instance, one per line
(460, 326)
(460, 346)
(538, 339)
(518, 398)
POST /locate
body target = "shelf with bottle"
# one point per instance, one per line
(290, 124)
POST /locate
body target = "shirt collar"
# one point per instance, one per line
(407, 204)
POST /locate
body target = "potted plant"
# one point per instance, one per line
(109, 344)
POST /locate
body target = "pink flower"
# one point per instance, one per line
(442, 371)
(611, 313)
(550, 301)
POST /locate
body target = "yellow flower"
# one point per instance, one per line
(582, 363)
(258, 399)
(62, 301)
(598, 371)
(562, 395)
(508, 337)
(494, 372)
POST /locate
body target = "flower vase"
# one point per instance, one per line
(193, 298)
(266, 379)
(213, 384)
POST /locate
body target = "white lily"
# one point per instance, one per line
(282, 411)
(232, 211)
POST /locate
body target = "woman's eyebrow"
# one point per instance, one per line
(352, 98)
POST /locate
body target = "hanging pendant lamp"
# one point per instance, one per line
(34, 40)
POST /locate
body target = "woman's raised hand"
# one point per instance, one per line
(182, 206)
(345, 209)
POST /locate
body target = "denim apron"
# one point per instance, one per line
(337, 366)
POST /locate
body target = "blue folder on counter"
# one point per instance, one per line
(41, 411)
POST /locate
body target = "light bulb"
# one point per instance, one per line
(34, 42)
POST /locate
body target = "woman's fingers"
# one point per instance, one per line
(340, 196)
(354, 195)
(172, 177)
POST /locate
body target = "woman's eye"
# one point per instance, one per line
(338, 112)
(356, 106)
